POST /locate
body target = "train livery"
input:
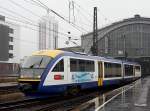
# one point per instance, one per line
(57, 71)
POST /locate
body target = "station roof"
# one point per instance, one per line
(136, 17)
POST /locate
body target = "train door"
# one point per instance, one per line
(66, 68)
(134, 71)
(100, 73)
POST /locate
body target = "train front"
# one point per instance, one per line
(32, 69)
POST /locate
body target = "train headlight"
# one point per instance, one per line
(21, 76)
(38, 76)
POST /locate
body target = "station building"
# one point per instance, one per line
(48, 33)
(127, 39)
(9, 46)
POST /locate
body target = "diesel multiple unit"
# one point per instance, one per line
(57, 71)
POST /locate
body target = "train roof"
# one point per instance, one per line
(130, 63)
(54, 53)
(50, 53)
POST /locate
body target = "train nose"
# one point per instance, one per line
(26, 87)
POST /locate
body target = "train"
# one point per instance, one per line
(58, 71)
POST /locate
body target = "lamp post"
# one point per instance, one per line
(124, 47)
(71, 40)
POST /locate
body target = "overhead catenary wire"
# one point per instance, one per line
(29, 23)
(6, 9)
(30, 29)
(19, 5)
(33, 3)
(103, 15)
(90, 15)
(43, 7)
(79, 11)
(34, 29)
(88, 44)
(60, 33)
(82, 23)
(83, 14)
(39, 3)
(17, 19)
(37, 30)
(85, 18)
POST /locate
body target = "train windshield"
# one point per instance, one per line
(34, 66)
(36, 62)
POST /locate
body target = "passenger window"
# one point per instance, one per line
(90, 66)
(79, 65)
(59, 67)
(137, 68)
(82, 65)
(73, 65)
(112, 70)
(128, 70)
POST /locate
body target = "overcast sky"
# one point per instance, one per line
(109, 11)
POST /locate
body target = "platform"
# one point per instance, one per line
(131, 97)
(134, 98)
(8, 84)
(6, 79)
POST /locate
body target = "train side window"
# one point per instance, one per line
(79, 65)
(82, 66)
(89, 66)
(128, 70)
(59, 67)
(112, 70)
(74, 65)
(137, 68)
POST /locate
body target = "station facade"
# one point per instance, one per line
(48, 33)
(9, 46)
(127, 39)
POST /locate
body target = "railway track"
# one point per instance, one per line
(68, 105)
(43, 103)
(13, 105)
(10, 89)
(21, 103)
(86, 101)
(50, 103)
(6, 88)
(71, 104)
(55, 102)
(9, 93)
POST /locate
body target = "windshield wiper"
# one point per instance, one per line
(37, 64)
(41, 61)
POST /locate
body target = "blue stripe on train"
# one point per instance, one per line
(53, 89)
(46, 71)
(61, 88)
(112, 82)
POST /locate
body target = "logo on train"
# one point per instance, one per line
(82, 77)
